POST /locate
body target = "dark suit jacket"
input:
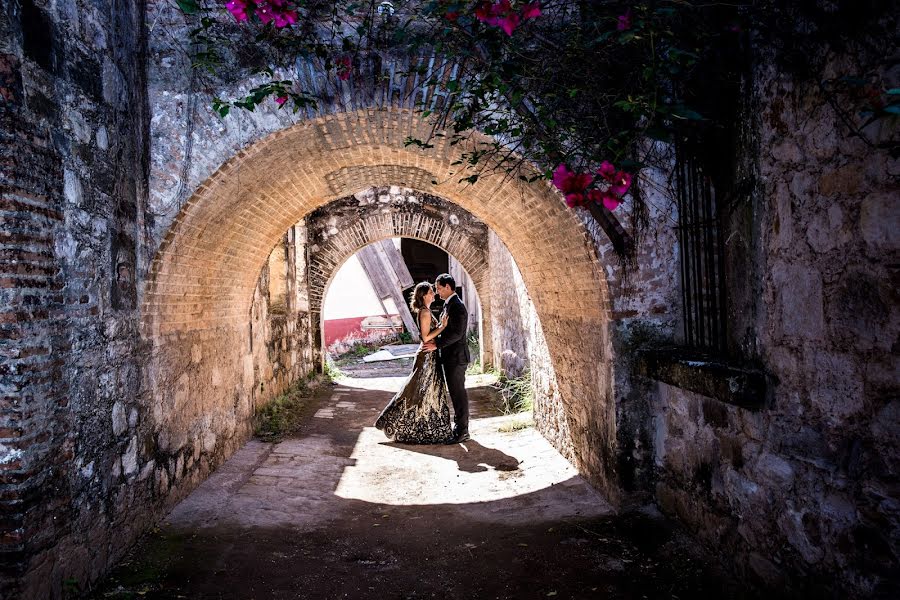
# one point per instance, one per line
(452, 343)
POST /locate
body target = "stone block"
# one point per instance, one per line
(798, 290)
(879, 221)
(838, 388)
(796, 527)
(119, 419)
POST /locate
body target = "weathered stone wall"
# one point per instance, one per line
(520, 347)
(72, 191)
(803, 491)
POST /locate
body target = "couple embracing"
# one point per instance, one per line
(420, 412)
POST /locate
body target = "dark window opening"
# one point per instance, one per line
(37, 33)
(702, 256)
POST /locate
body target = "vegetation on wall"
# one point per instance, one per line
(575, 87)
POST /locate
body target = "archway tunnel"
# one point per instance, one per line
(210, 369)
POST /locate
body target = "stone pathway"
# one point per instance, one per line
(340, 512)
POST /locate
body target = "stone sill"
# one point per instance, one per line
(730, 381)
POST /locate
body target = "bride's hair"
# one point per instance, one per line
(417, 300)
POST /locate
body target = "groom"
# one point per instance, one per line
(454, 354)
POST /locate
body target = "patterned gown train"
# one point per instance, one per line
(420, 412)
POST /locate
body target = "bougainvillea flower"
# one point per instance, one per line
(531, 10)
(344, 66)
(606, 198)
(607, 171)
(509, 23)
(238, 9)
(276, 11)
(624, 21)
(265, 12)
(572, 185)
(501, 14)
(620, 183)
(285, 18)
(280, 100)
(573, 200)
(483, 11)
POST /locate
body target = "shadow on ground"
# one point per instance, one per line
(338, 511)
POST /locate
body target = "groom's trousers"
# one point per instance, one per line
(456, 385)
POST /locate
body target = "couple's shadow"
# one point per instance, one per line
(470, 456)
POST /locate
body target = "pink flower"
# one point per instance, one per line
(620, 183)
(451, 16)
(483, 12)
(531, 10)
(344, 66)
(277, 11)
(572, 185)
(607, 171)
(280, 100)
(264, 12)
(624, 23)
(509, 23)
(607, 198)
(573, 200)
(238, 8)
(501, 14)
(285, 18)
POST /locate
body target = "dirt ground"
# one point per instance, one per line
(338, 511)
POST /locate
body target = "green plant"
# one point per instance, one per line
(516, 394)
(474, 367)
(515, 425)
(282, 415)
(405, 337)
(332, 372)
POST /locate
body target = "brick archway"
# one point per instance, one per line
(367, 219)
(203, 276)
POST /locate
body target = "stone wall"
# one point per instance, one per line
(72, 188)
(520, 348)
(802, 492)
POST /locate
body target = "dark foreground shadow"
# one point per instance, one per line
(470, 456)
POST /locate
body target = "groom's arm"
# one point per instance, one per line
(456, 327)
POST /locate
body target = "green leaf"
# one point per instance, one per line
(893, 92)
(188, 7)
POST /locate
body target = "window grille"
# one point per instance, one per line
(702, 254)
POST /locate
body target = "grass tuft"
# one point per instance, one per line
(282, 415)
(474, 367)
(515, 425)
(516, 394)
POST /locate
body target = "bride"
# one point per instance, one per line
(420, 412)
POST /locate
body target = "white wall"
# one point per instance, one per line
(351, 295)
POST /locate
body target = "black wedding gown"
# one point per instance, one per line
(420, 412)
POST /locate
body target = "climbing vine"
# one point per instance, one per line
(577, 87)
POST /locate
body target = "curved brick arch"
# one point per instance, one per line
(205, 271)
(426, 218)
(381, 214)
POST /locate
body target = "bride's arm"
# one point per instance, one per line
(428, 333)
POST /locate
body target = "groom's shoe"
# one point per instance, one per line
(458, 438)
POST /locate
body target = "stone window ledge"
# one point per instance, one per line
(731, 381)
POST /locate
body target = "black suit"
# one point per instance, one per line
(453, 354)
